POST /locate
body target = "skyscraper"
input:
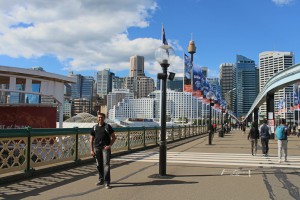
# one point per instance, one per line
(104, 82)
(270, 63)
(136, 66)
(82, 90)
(246, 85)
(227, 77)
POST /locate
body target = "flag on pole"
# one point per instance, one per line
(187, 74)
(164, 39)
(197, 74)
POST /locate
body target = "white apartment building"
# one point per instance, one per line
(179, 104)
(133, 108)
(67, 108)
(270, 63)
(116, 96)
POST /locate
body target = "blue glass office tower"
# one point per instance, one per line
(83, 88)
(246, 84)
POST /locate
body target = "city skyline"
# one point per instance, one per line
(55, 37)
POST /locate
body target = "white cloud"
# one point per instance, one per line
(282, 2)
(81, 34)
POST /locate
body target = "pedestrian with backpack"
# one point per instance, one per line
(264, 131)
(252, 137)
(281, 134)
(101, 139)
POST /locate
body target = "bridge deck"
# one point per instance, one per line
(224, 170)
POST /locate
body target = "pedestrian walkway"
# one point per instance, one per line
(195, 170)
(228, 159)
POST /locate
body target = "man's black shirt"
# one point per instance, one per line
(102, 135)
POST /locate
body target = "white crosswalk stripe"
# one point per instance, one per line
(223, 159)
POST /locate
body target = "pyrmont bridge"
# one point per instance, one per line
(282, 79)
(55, 163)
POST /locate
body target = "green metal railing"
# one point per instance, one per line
(27, 149)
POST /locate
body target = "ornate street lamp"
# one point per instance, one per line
(164, 55)
(211, 96)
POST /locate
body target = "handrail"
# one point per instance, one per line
(28, 149)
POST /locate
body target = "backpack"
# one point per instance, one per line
(280, 133)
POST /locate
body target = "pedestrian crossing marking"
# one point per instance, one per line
(228, 159)
(236, 172)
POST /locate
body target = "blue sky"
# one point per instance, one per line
(86, 36)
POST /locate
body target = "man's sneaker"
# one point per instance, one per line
(99, 183)
(279, 161)
(107, 186)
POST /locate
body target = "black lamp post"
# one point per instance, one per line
(163, 55)
(210, 95)
(290, 117)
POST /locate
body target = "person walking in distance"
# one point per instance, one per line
(101, 139)
(264, 131)
(282, 132)
(253, 136)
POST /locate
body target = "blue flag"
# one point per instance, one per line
(164, 39)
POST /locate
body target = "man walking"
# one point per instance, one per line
(264, 131)
(252, 137)
(101, 140)
(282, 132)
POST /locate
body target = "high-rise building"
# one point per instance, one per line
(104, 82)
(270, 63)
(136, 66)
(145, 85)
(81, 105)
(67, 108)
(246, 81)
(82, 90)
(129, 83)
(140, 86)
(118, 82)
(87, 87)
(227, 77)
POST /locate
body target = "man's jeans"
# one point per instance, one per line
(103, 165)
(282, 144)
(265, 145)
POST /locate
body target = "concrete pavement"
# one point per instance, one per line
(195, 170)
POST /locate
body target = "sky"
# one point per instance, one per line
(85, 36)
